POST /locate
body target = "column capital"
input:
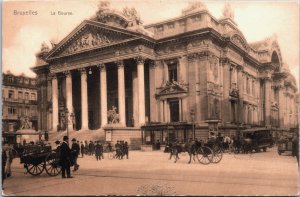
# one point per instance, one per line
(101, 67)
(139, 60)
(120, 63)
(52, 76)
(82, 70)
(67, 73)
(153, 64)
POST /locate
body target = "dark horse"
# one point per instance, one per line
(191, 147)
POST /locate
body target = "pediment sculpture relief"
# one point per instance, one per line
(86, 41)
(239, 41)
(172, 88)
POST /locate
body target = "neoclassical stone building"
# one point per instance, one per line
(168, 78)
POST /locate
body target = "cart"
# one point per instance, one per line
(37, 158)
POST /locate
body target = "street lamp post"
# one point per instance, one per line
(67, 121)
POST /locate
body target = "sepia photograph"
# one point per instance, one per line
(150, 98)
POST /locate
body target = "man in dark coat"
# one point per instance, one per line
(4, 160)
(65, 158)
(98, 151)
(295, 147)
(82, 149)
(75, 149)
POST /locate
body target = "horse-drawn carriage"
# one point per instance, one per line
(205, 153)
(37, 158)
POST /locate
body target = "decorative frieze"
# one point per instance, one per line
(198, 55)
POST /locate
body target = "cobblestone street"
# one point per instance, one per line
(264, 173)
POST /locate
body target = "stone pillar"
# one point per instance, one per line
(69, 98)
(267, 101)
(135, 98)
(84, 100)
(226, 88)
(166, 72)
(103, 95)
(54, 103)
(166, 111)
(121, 93)
(153, 102)
(161, 111)
(141, 89)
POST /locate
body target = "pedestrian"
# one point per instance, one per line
(4, 160)
(65, 158)
(117, 146)
(295, 147)
(10, 157)
(157, 145)
(101, 151)
(82, 149)
(97, 151)
(75, 150)
(126, 151)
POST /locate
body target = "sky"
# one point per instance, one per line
(22, 35)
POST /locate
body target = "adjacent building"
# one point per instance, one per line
(174, 79)
(19, 107)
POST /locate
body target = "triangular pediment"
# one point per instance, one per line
(88, 36)
(172, 88)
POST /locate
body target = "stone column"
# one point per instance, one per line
(166, 111)
(141, 89)
(69, 97)
(84, 100)
(161, 111)
(267, 101)
(103, 95)
(153, 102)
(121, 93)
(54, 103)
(135, 98)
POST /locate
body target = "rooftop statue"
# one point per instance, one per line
(228, 11)
(132, 15)
(194, 7)
(102, 6)
(44, 47)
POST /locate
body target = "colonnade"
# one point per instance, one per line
(140, 101)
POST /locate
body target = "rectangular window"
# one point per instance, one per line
(26, 96)
(248, 86)
(12, 111)
(11, 94)
(33, 97)
(182, 23)
(196, 18)
(171, 26)
(253, 88)
(174, 111)
(20, 95)
(160, 29)
(10, 79)
(172, 68)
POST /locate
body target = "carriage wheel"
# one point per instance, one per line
(35, 169)
(204, 155)
(52, 164)
(217, 155)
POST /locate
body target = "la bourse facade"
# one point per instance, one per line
(164, 80)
